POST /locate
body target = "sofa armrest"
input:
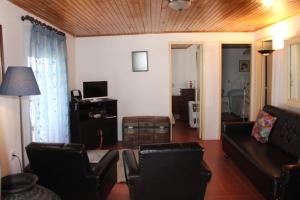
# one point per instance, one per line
(237, 127)
(106, 162)
(291, 170)
(28, 169)
(289, 181)
(130, 166)
(295, 169)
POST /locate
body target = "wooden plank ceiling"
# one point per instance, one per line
(118, 17)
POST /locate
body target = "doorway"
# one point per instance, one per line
(186, 72)
(236, 68)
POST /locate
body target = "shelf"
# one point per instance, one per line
(89, 119)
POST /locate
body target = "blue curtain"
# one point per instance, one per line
(49, 114)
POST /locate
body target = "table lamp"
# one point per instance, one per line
(19, 81)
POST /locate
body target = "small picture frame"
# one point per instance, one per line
(139, 61)
(244, 66)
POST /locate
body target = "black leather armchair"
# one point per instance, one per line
(167, 171)
(65, 169)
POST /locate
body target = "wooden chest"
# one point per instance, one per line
(145, 130)
(130, 131)
(162, 130)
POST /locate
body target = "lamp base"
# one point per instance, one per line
(23, 186)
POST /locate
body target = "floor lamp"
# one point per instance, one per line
(265, 53)
(19, 81)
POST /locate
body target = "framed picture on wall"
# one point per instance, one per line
(244, 66)
(139, 61)
(1, 56)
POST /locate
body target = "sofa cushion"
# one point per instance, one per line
(265, 157)
(263, 126)
(285, 134)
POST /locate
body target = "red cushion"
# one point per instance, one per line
(263, 126)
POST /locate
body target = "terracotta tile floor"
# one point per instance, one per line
(227, 183)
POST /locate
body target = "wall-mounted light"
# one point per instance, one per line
(268, 3)
(278, 43)
(279, 32)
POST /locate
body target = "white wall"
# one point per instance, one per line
(284, 29)
(184, 68)
(148, 93)
(232, 78)
(15, 39)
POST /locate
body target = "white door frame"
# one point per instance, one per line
(201, 86)
(252, 79)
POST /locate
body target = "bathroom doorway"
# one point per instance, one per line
(236, 70)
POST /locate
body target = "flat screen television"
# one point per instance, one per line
(94, 89)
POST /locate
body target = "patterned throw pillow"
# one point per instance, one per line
(263, 126)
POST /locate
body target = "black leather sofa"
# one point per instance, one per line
(65, 169)
(271, 167)
(167, 172)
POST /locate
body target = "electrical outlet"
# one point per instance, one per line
(11, 154)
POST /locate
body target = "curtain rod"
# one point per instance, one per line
(35, 21)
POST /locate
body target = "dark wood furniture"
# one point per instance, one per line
(94, 124)
(145, 130)
(176, 104)
(180, 104)
(1, 55)
(187, 94)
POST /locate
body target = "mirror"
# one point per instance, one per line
(139, 61)
(1, 55)
(292, 48)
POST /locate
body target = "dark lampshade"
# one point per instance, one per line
(19, 81)
(266, 52)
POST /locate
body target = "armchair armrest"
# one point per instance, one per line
(106, 162)
(206, 171)
(27, 169)
(130, 166)
(237, 127)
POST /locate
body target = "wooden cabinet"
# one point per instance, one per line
(187, 94)
(176, 101)
(94, 124)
